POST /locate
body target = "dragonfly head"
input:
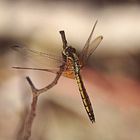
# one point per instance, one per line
(69, 52)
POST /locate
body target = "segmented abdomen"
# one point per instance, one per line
(85, 97)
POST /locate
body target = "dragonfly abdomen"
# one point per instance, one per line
(85, 97)
(72, 58)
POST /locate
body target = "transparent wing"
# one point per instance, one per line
(89, 48)
(84, 53)
(36, 58)
(36, 69)
(94, 44)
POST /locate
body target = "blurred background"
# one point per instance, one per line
(112, 76)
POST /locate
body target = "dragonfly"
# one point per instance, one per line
(73, 63)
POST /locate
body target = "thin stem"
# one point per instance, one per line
(30, 119)
(36, 92)
(53, 83)
(63, 39)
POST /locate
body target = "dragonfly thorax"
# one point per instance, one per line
(70, 55)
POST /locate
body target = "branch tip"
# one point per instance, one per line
(62, 32)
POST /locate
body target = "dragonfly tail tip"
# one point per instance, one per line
(93, 120)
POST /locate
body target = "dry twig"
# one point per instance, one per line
(35, 94)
